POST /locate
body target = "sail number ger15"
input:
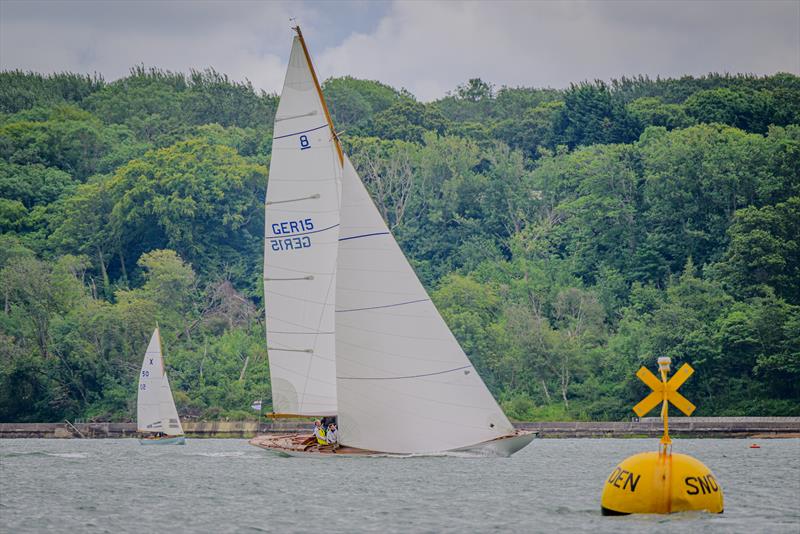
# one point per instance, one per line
(285, 234)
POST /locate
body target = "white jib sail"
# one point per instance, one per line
(302, 232)
(404, 384)
(155, 407)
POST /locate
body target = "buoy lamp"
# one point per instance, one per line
(662, 482)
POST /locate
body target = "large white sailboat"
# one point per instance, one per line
(351, 330)
(156, 415)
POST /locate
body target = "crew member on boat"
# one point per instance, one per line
(332, 436)
(319, 433)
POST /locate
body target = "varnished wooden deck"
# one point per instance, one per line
(303, 444)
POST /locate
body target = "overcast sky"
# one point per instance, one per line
(428, 47)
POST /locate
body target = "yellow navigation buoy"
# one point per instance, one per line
(662, 482)
(655, 483)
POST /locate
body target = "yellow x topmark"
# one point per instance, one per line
(665, 391)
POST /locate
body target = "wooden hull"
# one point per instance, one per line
(172, 440)
(297, 445)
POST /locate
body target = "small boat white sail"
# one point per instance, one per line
(351, 331)
(156, 414)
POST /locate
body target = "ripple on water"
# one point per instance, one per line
(120, 486)
(12, 453)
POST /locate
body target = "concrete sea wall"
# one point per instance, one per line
(735, 427)
(199, 429)
(696, 427)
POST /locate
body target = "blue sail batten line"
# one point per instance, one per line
(401, 377)
(302, 233)
(298, 133)
(363, 235)
(384, 306)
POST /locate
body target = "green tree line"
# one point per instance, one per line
(567, 236)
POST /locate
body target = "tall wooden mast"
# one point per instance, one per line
(321, 98)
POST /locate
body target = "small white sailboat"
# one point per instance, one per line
(156, 414)
(351, 331)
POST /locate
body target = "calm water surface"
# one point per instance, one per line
(230, 486)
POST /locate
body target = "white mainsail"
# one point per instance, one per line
(301, 239)
(155, 407)
(404, 384)
(351, 330)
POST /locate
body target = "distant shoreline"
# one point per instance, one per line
(690, 427)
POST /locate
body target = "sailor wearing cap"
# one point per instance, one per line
(319, 433)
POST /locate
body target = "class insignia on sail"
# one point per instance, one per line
(351, 331)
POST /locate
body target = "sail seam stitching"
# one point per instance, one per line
(290, 117)
(363, 235)
(400, 377)
(384, 306)
(312, 197)
(298, 133)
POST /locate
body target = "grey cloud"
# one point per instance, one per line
(427, 47)
(431, 47)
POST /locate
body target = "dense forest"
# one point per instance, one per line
(567, 236)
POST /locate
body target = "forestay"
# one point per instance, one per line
(404, 383)
(155, 407)
(302, 232)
